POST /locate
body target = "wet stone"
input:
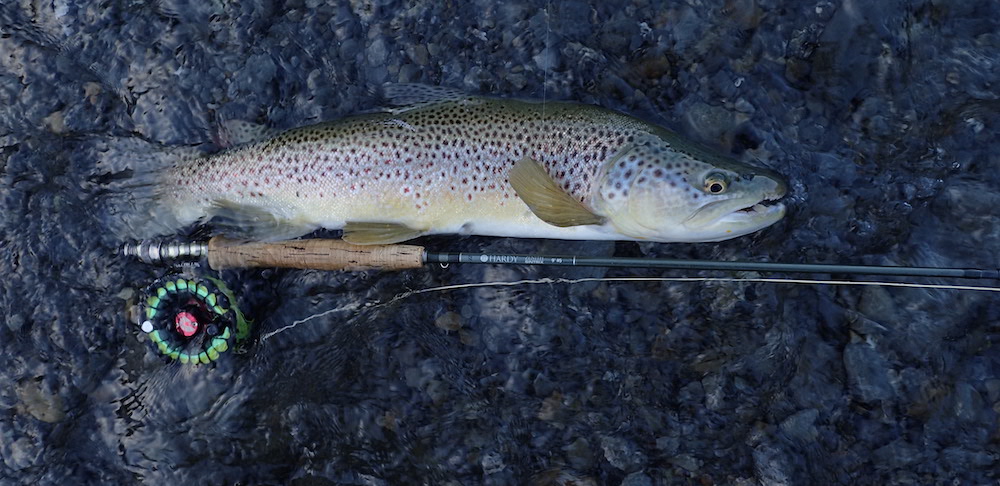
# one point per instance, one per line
(637, 479)
(771, 465)
(579, 454)
(41, 402)
(867, 373)
(547, 60)
(801, 425)
(687, 462)
(992, 390)
(449, 321)
(899, 453)
(968, 403)
(707, 122)
(668, 445)
(15, 322)
(492, 463)
(21, 454)
(623, 454)
(543, 386)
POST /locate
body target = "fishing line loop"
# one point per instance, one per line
(561, 280)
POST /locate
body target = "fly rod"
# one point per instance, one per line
(331, 254)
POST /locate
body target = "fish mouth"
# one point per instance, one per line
(758, 212)
(764, 209)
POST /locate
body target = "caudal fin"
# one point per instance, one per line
(127, 189)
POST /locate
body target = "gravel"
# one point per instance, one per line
(882, 115)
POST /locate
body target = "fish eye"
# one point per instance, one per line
(716, 183)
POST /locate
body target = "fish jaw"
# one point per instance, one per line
(755, 208)
(739, 222)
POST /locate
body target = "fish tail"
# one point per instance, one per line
(128, 188)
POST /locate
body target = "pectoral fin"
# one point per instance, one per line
(378, 233)
(546, 199)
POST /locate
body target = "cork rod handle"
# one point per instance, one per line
(317, 254)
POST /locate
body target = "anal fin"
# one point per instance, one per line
(546, 199)
(364, 233)
(251, 223)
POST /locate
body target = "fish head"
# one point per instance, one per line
(670, 190)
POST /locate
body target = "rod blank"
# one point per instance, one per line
(582, 261)
(327, 254)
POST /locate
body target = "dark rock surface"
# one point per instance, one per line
(883, 115)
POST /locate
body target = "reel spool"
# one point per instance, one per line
(192, 320)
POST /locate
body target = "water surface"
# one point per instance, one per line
(883, 117)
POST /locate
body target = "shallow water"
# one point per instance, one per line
(883, 117)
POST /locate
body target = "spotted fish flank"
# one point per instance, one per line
(443, 165)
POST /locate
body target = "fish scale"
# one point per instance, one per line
(442, 167)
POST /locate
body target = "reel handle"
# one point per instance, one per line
(317, 254)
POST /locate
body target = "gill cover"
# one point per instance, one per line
(663, 189)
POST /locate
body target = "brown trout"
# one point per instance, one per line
(452, 163)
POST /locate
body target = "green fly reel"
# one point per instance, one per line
(192, 320)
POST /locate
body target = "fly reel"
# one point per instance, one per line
(192, 320)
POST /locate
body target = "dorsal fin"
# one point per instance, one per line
(402, 97)
(546, 199)
(233, 133)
